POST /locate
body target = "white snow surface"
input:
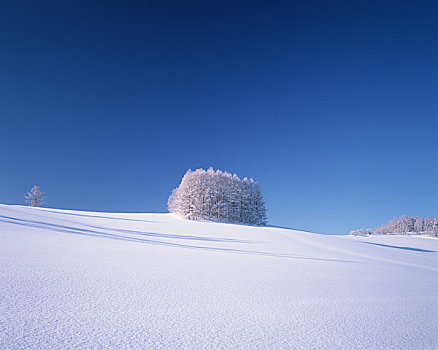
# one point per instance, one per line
(86, 280)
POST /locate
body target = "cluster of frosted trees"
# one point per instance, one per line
(404, 225)
(219, 196)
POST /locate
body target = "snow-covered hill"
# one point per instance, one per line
(71, 279)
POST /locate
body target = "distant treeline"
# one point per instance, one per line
(404, 225)
(219, 196)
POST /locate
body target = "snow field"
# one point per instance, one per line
(83, 280)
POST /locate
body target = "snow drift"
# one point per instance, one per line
(80, 280)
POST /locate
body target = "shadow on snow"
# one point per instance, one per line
(404, 248)
(94, 233)
(97, 216)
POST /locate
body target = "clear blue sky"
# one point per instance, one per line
(331, 106)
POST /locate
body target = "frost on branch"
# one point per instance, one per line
(35, 197)
(219, 196)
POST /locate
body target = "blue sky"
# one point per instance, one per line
(332, 107)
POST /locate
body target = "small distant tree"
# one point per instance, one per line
(35, 197)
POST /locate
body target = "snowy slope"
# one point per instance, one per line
(82, 280)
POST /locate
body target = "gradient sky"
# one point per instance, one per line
(331, 106)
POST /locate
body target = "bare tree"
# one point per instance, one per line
(35, 197)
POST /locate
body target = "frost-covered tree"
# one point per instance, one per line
(404, 225)
(235, 199)
(259, 217)
(219, 196)
(35, 197)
